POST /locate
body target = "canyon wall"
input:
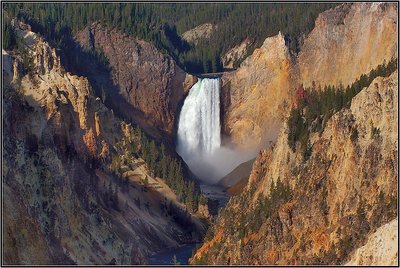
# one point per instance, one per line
(256, 95)
(73, 192)
(235, 54)
(150, 82)
(346, 42)
(320, 208)
(317, 210)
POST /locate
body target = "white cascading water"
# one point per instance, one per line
(199, 134)
(199, 129)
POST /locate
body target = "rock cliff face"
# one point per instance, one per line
(253, 96)
(316, 210)
(235, 54)
(381, 247)
(63, 201)
(151, 82)
(347, 41)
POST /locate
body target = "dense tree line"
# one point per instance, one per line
(163, 24)
(170, 169)
(9, 36)
(311, 114)
(160, 164)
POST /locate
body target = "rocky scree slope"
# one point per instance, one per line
(346, 42)
(64, 202)
(316, 210)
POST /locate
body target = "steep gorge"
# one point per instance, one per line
(75, 192)
(316, 211)
(74, 134)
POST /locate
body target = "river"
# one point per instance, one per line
(183, 253)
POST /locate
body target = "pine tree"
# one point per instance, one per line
(9, 37)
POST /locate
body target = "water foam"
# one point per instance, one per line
(199, 128)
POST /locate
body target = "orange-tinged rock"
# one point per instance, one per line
(271, 256)
(348, 41)
(90, 141)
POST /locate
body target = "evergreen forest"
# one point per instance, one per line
(164, 23)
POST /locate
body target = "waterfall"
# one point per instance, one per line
(199, 134)
(199, 129)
